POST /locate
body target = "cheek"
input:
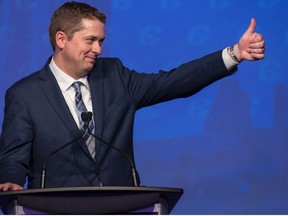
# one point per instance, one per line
(84, 50)
(78, 51)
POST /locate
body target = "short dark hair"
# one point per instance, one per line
(68, 18)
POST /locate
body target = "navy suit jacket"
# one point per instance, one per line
(37, 121)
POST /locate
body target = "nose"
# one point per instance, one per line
(97, 47)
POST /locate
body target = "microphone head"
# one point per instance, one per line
(86, 116)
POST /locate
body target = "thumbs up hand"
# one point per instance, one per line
(251, 45)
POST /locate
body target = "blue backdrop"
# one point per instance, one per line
(227, 145)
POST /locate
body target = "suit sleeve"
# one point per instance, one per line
(181, 82)
(16, 140)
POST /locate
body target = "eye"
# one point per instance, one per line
(89, 40)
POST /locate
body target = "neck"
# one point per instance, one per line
(67, 69)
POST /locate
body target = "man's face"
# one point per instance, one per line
(81, 52)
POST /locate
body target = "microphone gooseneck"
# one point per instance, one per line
(133, 170)
(86, 117)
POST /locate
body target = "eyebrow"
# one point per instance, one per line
(95, 38)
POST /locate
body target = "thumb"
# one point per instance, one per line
(252, 26)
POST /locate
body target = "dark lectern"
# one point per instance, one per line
(93, 200)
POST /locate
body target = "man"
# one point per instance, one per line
(42, 111)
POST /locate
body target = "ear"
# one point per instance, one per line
(61, 39)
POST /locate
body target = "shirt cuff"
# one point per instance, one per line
(228, 61)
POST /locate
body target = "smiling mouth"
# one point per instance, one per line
(91, 59)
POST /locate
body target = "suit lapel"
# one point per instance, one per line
(54, 95)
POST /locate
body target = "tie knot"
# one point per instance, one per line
(77, 86)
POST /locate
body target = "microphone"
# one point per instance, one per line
(86, 117)
(133, 170)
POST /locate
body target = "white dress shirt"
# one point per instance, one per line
(65, 83)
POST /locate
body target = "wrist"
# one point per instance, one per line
(234, 53)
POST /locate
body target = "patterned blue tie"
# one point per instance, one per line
(89, 139)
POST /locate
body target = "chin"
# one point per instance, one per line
(88, 69)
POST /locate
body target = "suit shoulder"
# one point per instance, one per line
(108, 62)
(29, 80)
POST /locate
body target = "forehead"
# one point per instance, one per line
(92, 25)
(90, 28)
